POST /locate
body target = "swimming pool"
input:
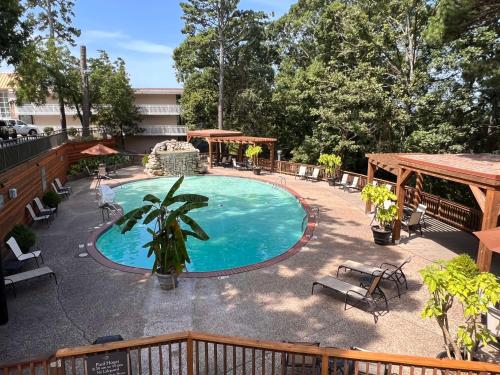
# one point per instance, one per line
(248, 222)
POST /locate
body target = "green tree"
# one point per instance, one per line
(15, 31)
(115, 108)
(247, 69)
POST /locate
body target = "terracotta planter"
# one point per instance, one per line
(167, 281)
(381, 236)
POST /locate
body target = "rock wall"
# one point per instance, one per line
(173, 158)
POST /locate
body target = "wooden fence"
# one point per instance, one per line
(195, 353)
(457, 215)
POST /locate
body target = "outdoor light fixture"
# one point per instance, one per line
(279, 155)
(13, 193)
(1, 201)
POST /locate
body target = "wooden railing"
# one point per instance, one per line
(195, 353)
(454, 214)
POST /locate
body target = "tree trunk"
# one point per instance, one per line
(220, 117)
(492, 140)
(62, 111)
(50, 19)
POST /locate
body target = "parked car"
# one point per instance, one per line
(7, 130)
(23, 128)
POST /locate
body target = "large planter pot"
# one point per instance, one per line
(167, 281)
(381, 236)
(493, 320)
(256, 170)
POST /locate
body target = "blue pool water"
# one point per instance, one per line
(248, 222)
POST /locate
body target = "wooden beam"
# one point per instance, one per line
(490, 221)
(480, 196)
(209, 154)
(369, 176)
(271, 156)
(419, 185)
(403, 176)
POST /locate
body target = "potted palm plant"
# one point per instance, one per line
(459, 280)
(252, 152)
(386, 211)
(332, 163)
(168, 244)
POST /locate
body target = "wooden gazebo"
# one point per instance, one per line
(481, 172)
(216, 136)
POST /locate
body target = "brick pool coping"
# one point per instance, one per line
(312, 220)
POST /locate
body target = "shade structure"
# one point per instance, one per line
(490, 238)
(99, 150)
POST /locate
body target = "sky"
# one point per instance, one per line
(144, 36)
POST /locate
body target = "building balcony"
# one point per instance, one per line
(163, 130)
(53, 109)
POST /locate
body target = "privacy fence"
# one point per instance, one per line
(457, 215)
(195, 353)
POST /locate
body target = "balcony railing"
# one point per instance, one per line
(53, 109)
(160, 109)
(195, 353)
(168, 130)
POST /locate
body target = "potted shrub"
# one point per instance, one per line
(48, 130)
(332, 163)
(51, 199)
(168, 243)
(459, 279)
(386, 211)
(24, 236)
(252, 152)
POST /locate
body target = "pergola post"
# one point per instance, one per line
(403, 176)
(209, 153)
(490, 221)
(369, 177)
(271, 156)
(419, 184)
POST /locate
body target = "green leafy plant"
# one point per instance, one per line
(386, 211)
(331, 162)
(252, 152)
(48, 130)
(459, 279)
(93, 163)
(168, 243)
(23, 235)
(145, 160)
(72, 132)
(51, 199)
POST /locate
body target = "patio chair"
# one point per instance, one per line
(44, 210)
(422, 208)
(302, 172)
(300, 362)
(314, 175)
(388, 187)
(62, 193)
(369, 294)
(368, 367)
(392, 272)
(11, 280)
(22, 257)
(374, 183)
(38, 219)
(343, 182)
(353, 184)
(61, 187)
(238, 166)
(412, 222)
(89, 172)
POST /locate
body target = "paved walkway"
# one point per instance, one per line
(271, 303)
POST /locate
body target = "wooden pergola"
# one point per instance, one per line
(481, 172)
(231, 136)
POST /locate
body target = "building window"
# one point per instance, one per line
(4, 104)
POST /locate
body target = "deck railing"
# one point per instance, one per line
(195, 353)
(454, 214)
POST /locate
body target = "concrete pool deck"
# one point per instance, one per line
(273, 303)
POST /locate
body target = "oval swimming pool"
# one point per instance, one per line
(248, 222)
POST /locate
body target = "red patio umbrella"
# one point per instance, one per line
(99, 150)
(490, 238)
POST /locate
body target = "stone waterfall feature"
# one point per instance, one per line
(174, 158)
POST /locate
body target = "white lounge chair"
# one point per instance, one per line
(412, 222)
(44, 210)
(35, 217)
(315, 175)
(302, 172)
(62, 193)
(374, 183)
(343, 182)
(353, 184)
(422, 208)
(28, 275)
(12, 243)
(389, 187)
(61, 187)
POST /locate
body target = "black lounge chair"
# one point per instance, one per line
(369, 294)
(392, 272)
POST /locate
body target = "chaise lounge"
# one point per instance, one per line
(28, 275)
(22, 257)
